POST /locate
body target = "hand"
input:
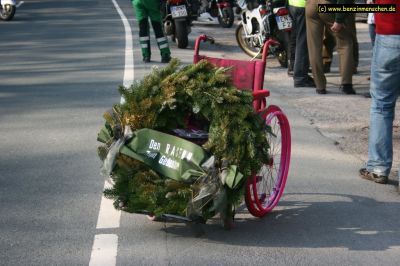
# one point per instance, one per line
(336, 27)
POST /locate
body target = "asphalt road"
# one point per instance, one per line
(61, 62)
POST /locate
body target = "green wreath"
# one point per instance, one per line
(173, 98)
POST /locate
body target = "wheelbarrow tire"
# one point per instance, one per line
(265, 188)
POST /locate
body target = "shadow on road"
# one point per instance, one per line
(315, 221)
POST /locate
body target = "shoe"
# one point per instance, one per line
(323, 91)
(146, 59)
(355, 71)
(380, 179)
(369, 78)
(290, 72)
(165, 59)
(308, 83)
(327, 67)
(347, 89)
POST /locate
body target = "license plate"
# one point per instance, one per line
(178, 11)
(284, 22)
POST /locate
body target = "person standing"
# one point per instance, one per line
(301, 60)
(145, 9)
(337, 24)
(384, 89)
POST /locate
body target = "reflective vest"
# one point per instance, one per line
(297, 3)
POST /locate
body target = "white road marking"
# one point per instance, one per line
(105, 246)
(20, 3)
(129, 72)
(108, 216)
(104, 250)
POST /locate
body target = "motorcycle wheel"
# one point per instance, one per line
(282, 51)
(281, 55)
(227, 19)
(7, 12)
(181, 34)
(245, 45)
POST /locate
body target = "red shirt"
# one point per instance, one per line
(388, 23)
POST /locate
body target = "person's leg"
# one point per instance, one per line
(301, 64)
(153, 9)
(385, 88)
(329, 44)
(344, 46)
(162, 40)
(292, 41)
(144, 39)
(315, 29)
(143, 21)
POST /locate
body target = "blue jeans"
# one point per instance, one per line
(385, 88)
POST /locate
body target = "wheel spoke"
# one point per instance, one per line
(266, 187)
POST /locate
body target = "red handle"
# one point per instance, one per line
(260, 94)
(199, 39)
(266, 47)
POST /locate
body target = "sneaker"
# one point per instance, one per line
(380, 179)
(146, 59)
(290, 72)
(347, 89)
(165, 59)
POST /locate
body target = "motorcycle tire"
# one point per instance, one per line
(253, 52)
(281, 55)
(227, 19)
(181, 34)
(7, 12)
(282, 52)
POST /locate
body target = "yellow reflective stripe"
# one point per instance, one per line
(297, 3)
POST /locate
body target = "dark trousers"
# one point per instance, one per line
(301, 61)
(372, 33)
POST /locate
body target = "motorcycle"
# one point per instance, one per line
(177, 18)
(261, 22)
(221, 10)
(7, 9)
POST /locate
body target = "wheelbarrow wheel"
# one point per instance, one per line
(265, 188)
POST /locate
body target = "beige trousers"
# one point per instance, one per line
(315, 23)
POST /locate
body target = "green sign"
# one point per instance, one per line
(168, 155)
